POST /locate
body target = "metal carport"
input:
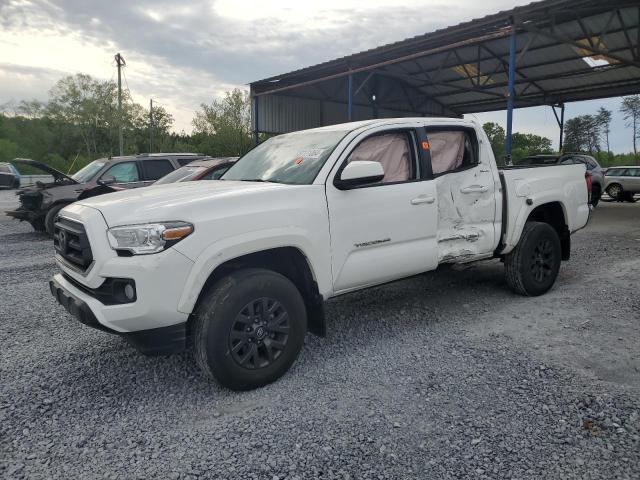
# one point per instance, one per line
(545, 53)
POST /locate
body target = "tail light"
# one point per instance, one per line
(589, 182)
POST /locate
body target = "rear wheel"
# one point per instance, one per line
(50, 218)
(595, 195)
(615, 191)
(249, 328)
(531, 268)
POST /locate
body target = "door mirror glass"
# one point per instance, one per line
(361, 172)
(107, 180)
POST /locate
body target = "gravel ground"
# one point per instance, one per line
(445, 375)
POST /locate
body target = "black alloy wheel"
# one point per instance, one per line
(249, 328)
(542, 260)
(259, 334)
(531, 268)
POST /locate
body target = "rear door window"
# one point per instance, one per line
(155, 169)
(124, 172)
(451, 151)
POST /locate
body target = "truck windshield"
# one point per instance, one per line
(294, 158)
(85, 174)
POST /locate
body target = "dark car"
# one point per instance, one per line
(39, 204)
(199, 170)
(9, 176)
(592, 165)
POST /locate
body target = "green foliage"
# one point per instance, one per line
(583, 134)
(223, 128)
(631, 111)
(8, 150)
(496, 136)
(522, 144)
(80, 119)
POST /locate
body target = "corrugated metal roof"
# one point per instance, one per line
(566, 50)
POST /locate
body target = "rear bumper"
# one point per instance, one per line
(156, 341)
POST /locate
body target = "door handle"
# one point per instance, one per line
(474, 189)
(423, 199)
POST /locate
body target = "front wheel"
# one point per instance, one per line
(532, 267)
(50, 218)
(249, 328)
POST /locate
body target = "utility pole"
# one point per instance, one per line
(121, 63)
(151, 125)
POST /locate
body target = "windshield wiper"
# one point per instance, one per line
(257, 180)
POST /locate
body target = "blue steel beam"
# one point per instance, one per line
(255, 113)
(510, 96)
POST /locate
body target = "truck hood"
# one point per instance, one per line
(56, 174)
(174, 201)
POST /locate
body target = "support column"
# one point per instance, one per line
(560, 121)
(510, 96)
(256, 131)
(561, 128)
(350, 102)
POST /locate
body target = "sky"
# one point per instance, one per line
(182, 54)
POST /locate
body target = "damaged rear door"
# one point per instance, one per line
(466, 190)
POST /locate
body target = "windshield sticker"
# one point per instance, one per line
(311, 153)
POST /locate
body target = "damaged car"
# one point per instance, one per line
(40, 203)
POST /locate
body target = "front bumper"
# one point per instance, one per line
(22, 214)
(156, 341)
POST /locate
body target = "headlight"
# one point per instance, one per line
(148, 238)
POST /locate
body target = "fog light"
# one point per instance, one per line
(129, 292)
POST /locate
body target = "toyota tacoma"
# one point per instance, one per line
(238, 269)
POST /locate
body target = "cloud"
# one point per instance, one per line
(183, 54)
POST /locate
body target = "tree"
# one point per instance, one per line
(631, 111)
(223, 128)
(496, 138)
(604, 120)
(582, 134)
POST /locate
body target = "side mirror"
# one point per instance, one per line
(107, 180)
(360, 172)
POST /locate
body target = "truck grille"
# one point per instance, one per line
(71, 243)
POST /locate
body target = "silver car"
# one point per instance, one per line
(621, 183)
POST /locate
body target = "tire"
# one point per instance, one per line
(50, 218)
(615, 191)
(531, 268)
(595, 195)
(38, 225)
(227, 329)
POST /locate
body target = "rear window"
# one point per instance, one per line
(184, 161)
(183, 174)
(155, 169)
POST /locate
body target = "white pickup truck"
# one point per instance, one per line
(239, 268)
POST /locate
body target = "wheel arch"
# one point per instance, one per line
(290, 262)
(554, 214)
